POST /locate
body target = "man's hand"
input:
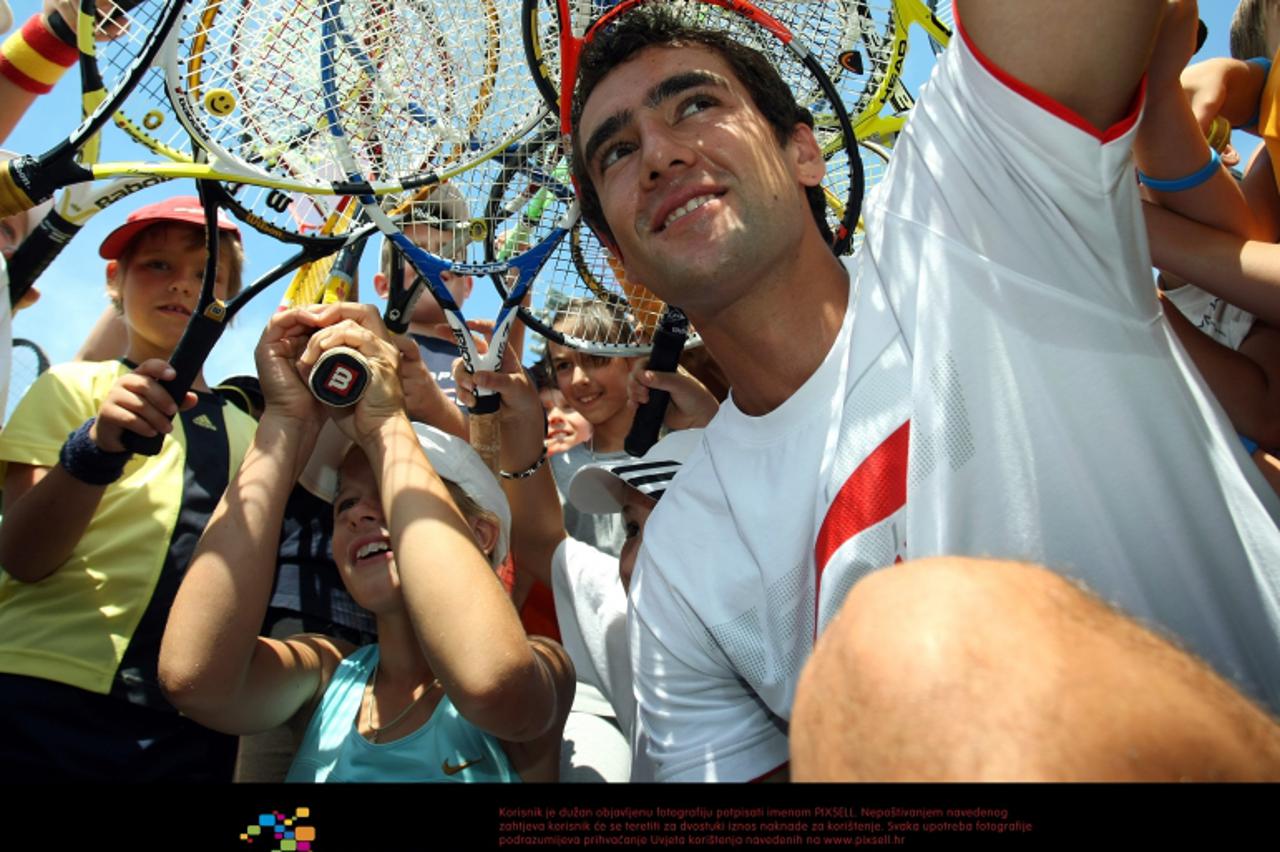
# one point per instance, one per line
(137, 403)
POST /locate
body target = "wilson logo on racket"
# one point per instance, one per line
(341, 380)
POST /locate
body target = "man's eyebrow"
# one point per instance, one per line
(678, 83)
(664, 90)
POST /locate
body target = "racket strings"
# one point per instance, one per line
(134, 22)
(585, 294)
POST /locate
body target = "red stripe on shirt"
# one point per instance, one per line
(873, 492)
(1051, 106)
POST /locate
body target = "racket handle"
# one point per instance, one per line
(37, 251)
(339, 377)
(25, 181)
(668, 343)
(486, 436)
(197, 341)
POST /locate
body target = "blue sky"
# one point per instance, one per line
(72, 288)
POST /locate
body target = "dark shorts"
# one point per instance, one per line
(55, 732)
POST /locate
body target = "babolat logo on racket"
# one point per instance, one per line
(128, 189)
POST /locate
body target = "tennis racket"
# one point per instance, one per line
(25, 181)
(147, 118)
(552, 27)
(668, 342)
(103, 67)
(26, 362)
(877, 60)
(430, 88)
(453, 240)
(945, 14)
(798, 65)
(212, 315)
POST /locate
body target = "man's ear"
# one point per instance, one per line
(467, 283)
(808, 155)
(380, 284)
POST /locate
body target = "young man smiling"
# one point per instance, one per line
(989, 377)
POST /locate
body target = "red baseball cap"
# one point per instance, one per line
(181, 208)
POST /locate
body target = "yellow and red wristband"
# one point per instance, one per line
(34, 58)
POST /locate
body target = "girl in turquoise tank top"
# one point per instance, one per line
(453, 690)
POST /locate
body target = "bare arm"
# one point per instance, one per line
(423, 398)
(213, 665)
(468, 627)
(1090, 56)
(1223, 86)
(537, 520)
(46, 510)
(497, 678)
(1087, 55)
(15, 100)
(1244, 272)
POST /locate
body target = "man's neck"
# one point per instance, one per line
(770, 344)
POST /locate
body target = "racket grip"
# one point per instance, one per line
(41, 247)
(339, 377)
(17, 194)
(668, 343)
(187, 360)
(486, 436)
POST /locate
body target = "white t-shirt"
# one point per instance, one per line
(591, 609)
(1003, 385)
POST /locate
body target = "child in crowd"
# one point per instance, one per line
(419, 525)
(596, 388)
(95, 540)
(590, 585)
(566, 428)
(443, 228)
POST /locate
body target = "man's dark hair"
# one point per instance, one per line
(648, 26)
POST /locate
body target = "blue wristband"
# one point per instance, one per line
(1265, 64)
(1250, 445)
(88, 462)
(1191, 181)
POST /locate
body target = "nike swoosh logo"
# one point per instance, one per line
(454, 770)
